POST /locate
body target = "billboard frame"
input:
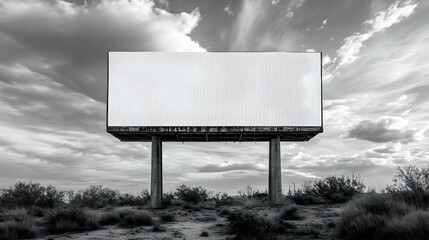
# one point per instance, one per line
(214, 133)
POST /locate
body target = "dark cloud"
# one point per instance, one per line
(381, 131)
(231, 167)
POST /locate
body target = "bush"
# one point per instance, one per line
(254, 202)
(71, 220)
(167, 199)
(249, 192)
(376, 216)
(109, 218)
(127, 200)
(411, 184)
(38, 211)
(303, 198)
(136, 219)
(411, 178)
(17, 215)
(167, 216)
(12, 230)
(95, 197)
(290, 213)
(192, 195)
(337, 189)
(224, 199)
(130, 200)
(253, 226)
(24, 194)
(413, 226)
(124, 212)
(19, 224)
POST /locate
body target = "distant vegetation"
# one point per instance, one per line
(400, 211)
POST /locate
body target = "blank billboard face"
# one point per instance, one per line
(214, 89)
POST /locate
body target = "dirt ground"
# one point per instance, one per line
(317, 222)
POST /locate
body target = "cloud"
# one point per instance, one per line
(383, 20)
(262, 27)
(69, 43)
(227, 9)
(387, 149)
(323, 24)
(275, 2)
(231, 167)
(389, 129)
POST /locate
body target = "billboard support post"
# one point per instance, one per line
(274, 178)
(156, 173)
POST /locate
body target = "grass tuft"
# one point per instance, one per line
(290, 212)
(11, 230)
(109, 218)
(254, 226)
(167, 216)
(136, 219)
(71, 220)
(381, 216)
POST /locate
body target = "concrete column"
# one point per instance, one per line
(156, 173)
(275, 177)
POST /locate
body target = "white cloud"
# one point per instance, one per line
(326, 60)
(383, 20)
(275, 2)
(227, 9)
(323, 24)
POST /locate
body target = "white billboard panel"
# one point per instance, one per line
(214, 89)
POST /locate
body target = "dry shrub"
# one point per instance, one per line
(253, 202)
(192, 194)
(110, 218)
(17, 215)
(136, 219)
(412, 226)
(30, 194)
(167, 216)
(303, 198)
(19, 224)
(71, 220)
(381, 216)
(290, 212)
(11, 230)
(253, 226)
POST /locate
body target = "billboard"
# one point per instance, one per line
(214, 96)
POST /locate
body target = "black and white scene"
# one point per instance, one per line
(214, 119)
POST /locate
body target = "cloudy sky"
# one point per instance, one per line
(53, 88)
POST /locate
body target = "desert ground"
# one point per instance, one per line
(316, 222)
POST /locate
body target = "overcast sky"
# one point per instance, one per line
(53, 85)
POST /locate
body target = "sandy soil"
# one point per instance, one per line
(318, 222)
